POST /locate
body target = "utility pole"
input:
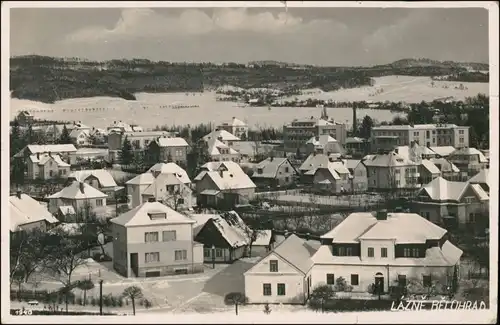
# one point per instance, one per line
(100, 297)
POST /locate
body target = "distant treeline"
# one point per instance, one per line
(48, 79)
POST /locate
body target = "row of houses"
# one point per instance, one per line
(366, 249)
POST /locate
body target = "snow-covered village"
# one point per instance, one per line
(266, 187)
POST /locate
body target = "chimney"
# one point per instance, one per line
(50, 154)
(82, 187)
(18, 194)
(37, 155)
(317, 138)
(271, 158)
(396, 150)
(330, 159)
(381, 215)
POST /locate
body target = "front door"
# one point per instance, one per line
(134, 263)
(379, 284)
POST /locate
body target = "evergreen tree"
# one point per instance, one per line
(65, 138)
(366, 127)
(30, 139)
(16, 140)
(126, 155)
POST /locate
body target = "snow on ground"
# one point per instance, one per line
(402, 88)
(148, 111)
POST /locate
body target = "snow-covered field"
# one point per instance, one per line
(400, 88)
(150, 110)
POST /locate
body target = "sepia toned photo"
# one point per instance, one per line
(249, 162)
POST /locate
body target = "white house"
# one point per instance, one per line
(236, 127)
(391, 170)
(80, 136)
(384, 249)
(100, 179)
(283, 276)
(78, 195)
(154, 240)
(219, 151)
(223, 183)
(221, 135)
(46, 166)
(155, 183)
(26, 214)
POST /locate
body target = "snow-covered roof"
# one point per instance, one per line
(221, 135)
(468, 152)
(170, 168)
(402, 227)
(445, 165)
(441, 189)
(26, 210)
(295, 251)
(429, 165)
(215, 146)
(391, 159)
(45, 157)
(172, 142)
(151, 213)
(78, 190)
(235, 122)
(105, 178)
(443, 151)
(53, 148)
(160, 183)
(270, 167)
(481, 178)
(142, 179)
(228, 175)
(75, 133)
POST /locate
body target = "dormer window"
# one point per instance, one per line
(157, 215)
(260, 171)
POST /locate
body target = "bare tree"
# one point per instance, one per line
(28, 252)
(65, 258)
(133, 293)
(236, 299)
(176, 197)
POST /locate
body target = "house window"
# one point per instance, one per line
(281, 289)
(169, 235)
(50, 173)
(151, 237)
(152, 257)
(348, 251)
(427, 281)
(383, 252)
(287, 169)
(415, 252)
(206, 252)
(98, 202)
(371, 252)
(406, 252)
(273, 266)
(330, 278)
(354, 279)
(260, 170)
(267, 289)
(181, 255)
(341, 251)
(402, 280)
(218, 252)
(469, 199)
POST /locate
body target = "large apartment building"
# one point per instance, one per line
(297, 133)
(139, 140)
(429, 135)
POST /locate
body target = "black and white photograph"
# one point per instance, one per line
(249, 162)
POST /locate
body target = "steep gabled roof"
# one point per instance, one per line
(270, 167)
(105, 178)
(78, 190)
(26, 210)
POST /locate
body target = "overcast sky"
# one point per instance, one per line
(320, 36)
